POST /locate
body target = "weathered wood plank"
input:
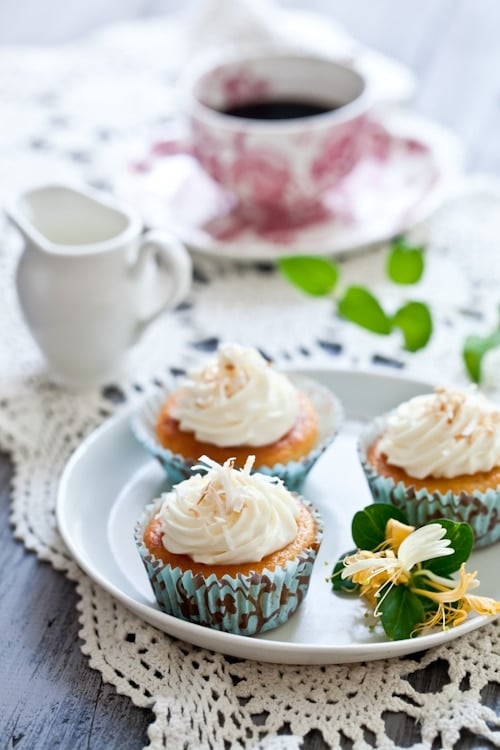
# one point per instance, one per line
(49, 697)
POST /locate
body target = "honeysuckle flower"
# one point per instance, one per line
(481, 605)
(426, 543)
(446, 590)
(412, 579)
(453, 600)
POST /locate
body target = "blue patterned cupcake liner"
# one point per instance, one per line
(243, 605)
(293, 473)
(481, 510)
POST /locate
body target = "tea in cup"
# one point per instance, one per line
(276, 127)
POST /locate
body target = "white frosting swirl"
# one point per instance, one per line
(444, 434)
(228, 515)
(237, 399)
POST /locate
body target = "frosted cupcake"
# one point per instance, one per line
(237, 405)
(229, 549)
(438, 456)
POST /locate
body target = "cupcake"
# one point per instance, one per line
(229, 549)
(438, 456)
(237, 405)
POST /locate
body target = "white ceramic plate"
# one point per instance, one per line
(110, 478)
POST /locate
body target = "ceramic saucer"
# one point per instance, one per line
(409, 167)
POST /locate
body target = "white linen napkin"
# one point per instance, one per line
(212, 23)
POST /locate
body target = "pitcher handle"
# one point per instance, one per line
(172, 280)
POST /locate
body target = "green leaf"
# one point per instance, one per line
(400, 612)
(343, 584)
(415, 321)
(360, 306)
(315, 276)
(461, 537)
(405, 264)
(368, 525)
(475, 348)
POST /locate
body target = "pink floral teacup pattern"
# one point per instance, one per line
(278, 167)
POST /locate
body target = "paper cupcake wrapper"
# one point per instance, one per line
(481, 510)
(293, 473)
(244, 605)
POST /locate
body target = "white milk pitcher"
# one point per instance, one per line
(89, 280)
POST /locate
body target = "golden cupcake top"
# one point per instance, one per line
(237, 399)
(447, 433)
(228, 515)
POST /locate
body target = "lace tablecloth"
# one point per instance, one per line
(64, 115)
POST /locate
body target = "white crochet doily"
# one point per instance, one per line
(202, 699)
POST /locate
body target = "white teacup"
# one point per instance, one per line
(278, 168)
(89, 280)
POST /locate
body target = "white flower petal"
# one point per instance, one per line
(425, 543)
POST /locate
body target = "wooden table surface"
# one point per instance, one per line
(49, 697)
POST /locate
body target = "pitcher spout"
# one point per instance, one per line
(16, 214)
(63, 219)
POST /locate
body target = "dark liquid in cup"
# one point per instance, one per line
(280, 109)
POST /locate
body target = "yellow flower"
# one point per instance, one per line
(398, 561)
(396, 532)
(377, 572)
(380, 569)
(482, 605)
(445, 616)
(454, 603)
(425, 543)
